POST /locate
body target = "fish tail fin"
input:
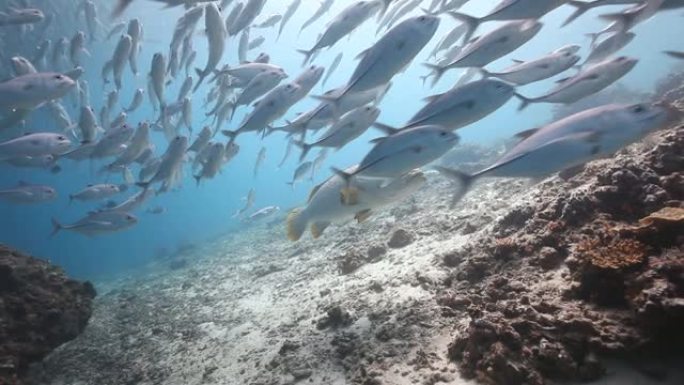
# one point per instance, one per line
(471, 23)
(305, 148)
(385, 6)
(144, 185)
(231, 135)
(333, 101)
(71, 199)
(198, 178)
(56, 227)
(485, 74)
(580, 9)
(296, 224)
(464, 180)
(594, 37)
(437, 71)
(524, 101)
(618, 17)
(307, 55)
(201, 74)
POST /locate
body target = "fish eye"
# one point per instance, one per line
(621, 58)
(58, 77)
(443, 134)
(638, 109)
(61, 138)
(422, 18)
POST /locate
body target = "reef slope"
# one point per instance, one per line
(40, 309)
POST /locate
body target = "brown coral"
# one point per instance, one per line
(617, 254)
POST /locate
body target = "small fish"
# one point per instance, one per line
(391, 54)
(609, 46)
(156, 210)
(95, 192)
(291, 10)
(120, 58)
(30, 91)
(675, 54)
(21, 16)
(135, 31)
(170, 165)
(460, 106)
(248, 14)
(508, 10)
(299, 174)
(587, 82)
(261, 156)
(570, 142)
(332, 68)
(25, 193)
(137, 100)
(98, 223)
(399, 153)
(216, 36)
(288, 150)
(491, 46)
(523, 73)
(249, 202)
(34, 145)
(347, 21)
(256, 43)
(263, 213)
(350, 126)
(269, 22)
(202, 140)
(158, 79)
(77, 47)
(322, 10)
(212, 166)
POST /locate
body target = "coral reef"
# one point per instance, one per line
(587, 268)
(40, 309)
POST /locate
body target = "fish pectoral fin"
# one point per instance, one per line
(318, 228)
(562, 80)
(349, 196)
(363, 215)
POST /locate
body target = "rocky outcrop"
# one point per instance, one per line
(587, 268)
(40, 309)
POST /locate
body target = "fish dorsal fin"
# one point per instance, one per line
(378, 140)
(23, 183)
(362, 54)
(526, 134)
(313, 192)
(432, 98)
(90, 185)
(516, 61)
(387, 129)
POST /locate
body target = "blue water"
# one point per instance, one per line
(196, 214)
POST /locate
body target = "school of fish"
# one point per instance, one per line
(42, 70)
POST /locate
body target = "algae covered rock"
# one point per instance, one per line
(40, 309)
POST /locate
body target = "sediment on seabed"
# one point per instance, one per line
(576, 274)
